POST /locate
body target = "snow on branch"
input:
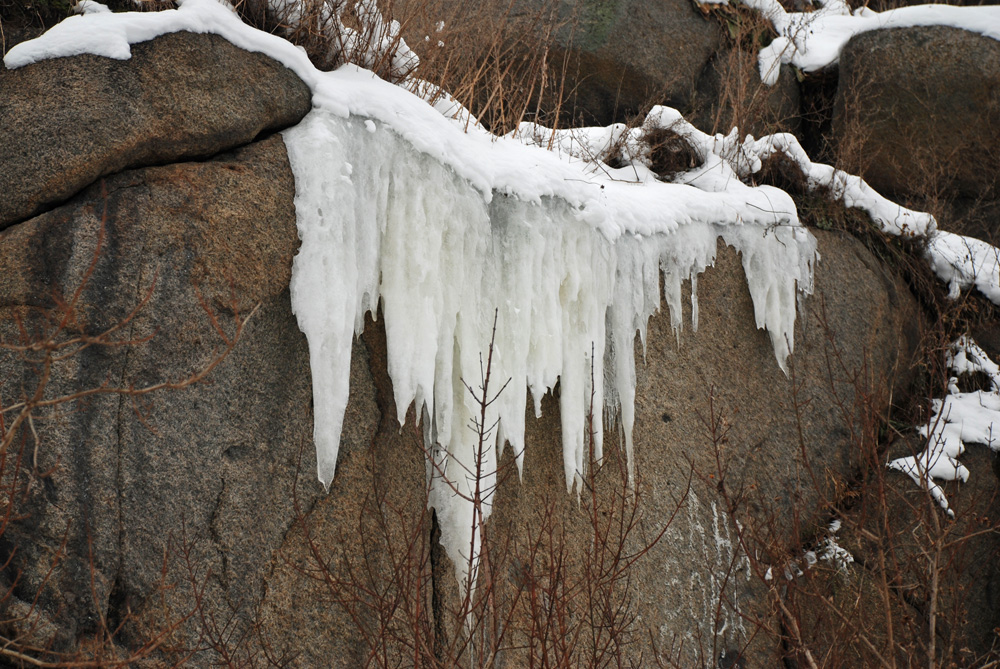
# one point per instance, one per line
(959, 418)
(813, 40)
(719, 158)
(959, 261)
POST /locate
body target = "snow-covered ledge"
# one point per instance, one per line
(398, 204)
(449, 229)
(813, 40)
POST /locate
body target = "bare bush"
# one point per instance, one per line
(553, 581)
(905, 599)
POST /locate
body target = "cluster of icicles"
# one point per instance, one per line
(384, 223)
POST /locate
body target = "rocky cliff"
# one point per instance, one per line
(159, 503)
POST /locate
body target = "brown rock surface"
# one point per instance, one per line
(917, 112)
(204, 502)
(213, 492)
(608, 58)
(204, 472)
(66, 122)
(872, 320)
(625, 54)
(948, 565)
(730, 93)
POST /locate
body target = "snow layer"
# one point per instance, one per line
(963, 261)
(957, 419)
(959, 261)
(724, 158)
(90, 7)
(813, 40)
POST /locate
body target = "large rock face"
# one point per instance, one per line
(66, 122)
(918, 112)
(617, 56)
(629, 53)
(694, 587)
(730, 94)
(690, 591)
(187, 525)
(163, 261)
(207, 470)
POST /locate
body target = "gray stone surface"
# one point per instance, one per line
(201, 491)
(730, 93)
(917, 112)
(203, 500)
(212, 490)
(183, 489)
(870, 320)
(625, 54)
(618, 56)
(967, 592)
(68, 121)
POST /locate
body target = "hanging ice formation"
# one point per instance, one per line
(567, 268)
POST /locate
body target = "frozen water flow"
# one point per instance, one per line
(382, 221)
